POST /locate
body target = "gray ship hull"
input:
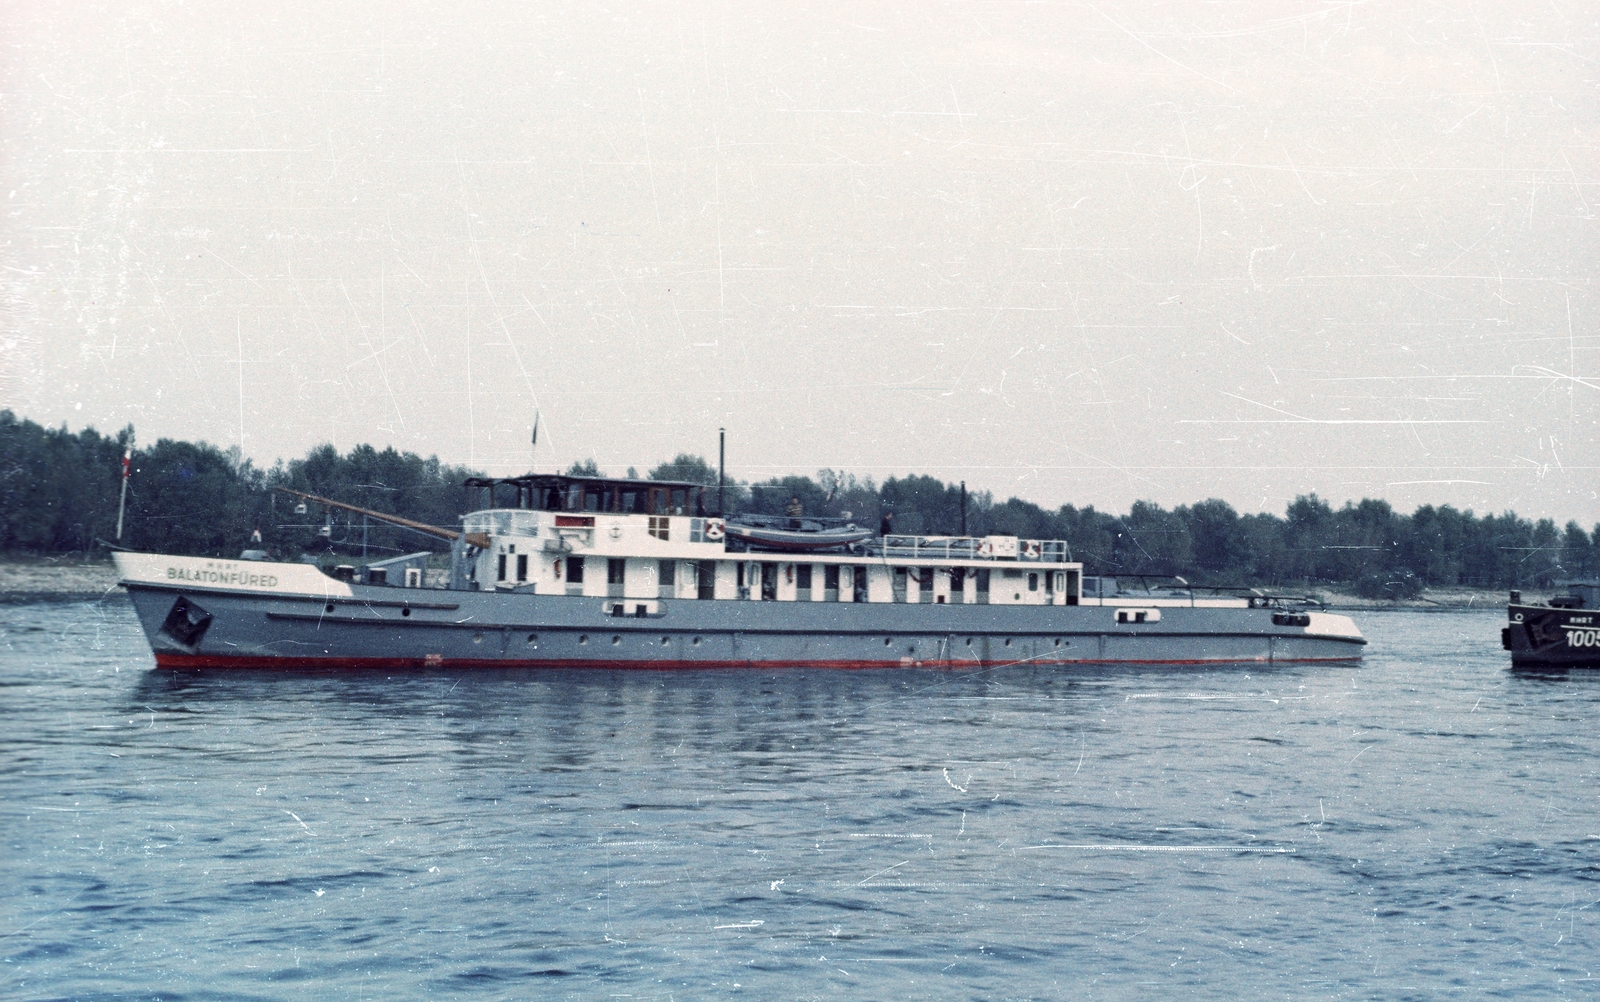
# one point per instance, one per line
(378, 627)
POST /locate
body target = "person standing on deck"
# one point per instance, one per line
(794, 509)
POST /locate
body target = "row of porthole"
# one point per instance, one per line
(1057, 641)
(404, 610)
(616, 638)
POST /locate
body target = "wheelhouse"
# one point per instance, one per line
(552, 492)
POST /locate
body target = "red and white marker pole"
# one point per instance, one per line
(122, 504)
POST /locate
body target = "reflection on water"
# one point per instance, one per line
(1426, 815)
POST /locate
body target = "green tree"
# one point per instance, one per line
(1308, 533)
(1214, 540)
(1157, 541)
(58, 491)
(686, 468)
(186, 497)
(1577, 551)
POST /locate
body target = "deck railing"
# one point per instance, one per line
(1048, 551)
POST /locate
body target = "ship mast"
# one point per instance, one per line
(122, 503)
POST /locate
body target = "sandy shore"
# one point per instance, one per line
(1440, 598)
(65, 577)
(71, 577)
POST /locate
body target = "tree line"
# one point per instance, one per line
(59, 494)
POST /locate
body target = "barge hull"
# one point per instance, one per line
(1545, 637)
(387, 628)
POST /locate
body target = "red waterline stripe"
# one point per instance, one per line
(167, 660)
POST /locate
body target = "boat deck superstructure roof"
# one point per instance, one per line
(562, 492)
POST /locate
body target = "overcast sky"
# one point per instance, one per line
(1081, 253)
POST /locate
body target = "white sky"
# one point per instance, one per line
(1076, 252)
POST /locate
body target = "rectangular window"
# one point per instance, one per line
(1033, 581)
(830, 578)
(668, 573)
(802, 576)
(501, 575)
(899, 584)
(522, 567)
(708, 579)
(659, 525)
(769, 582)
(574, 570)
(983, 580)
(615, 568)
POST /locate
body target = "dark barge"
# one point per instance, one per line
(1563, 632)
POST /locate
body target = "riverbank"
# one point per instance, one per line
(1441, 599)
(30, 578)
(61, 578)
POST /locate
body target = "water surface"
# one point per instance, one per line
(1417, 825)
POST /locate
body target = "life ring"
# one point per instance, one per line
(616, 532)
(714, 528)
(985, 548)
(1030, 549)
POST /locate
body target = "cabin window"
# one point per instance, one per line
(501, 574)
(899, 584)
(615, 569)
(983, 580)
(668, 573)
(769, 582)
(659, 526)
(708, 579)
(1033, 581)
(574, 570)
(830, 578)
(522, 567)
(802, 577)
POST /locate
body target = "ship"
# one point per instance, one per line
(590, 572)
(1562, 632)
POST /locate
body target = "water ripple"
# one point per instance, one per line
(1418, 824)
